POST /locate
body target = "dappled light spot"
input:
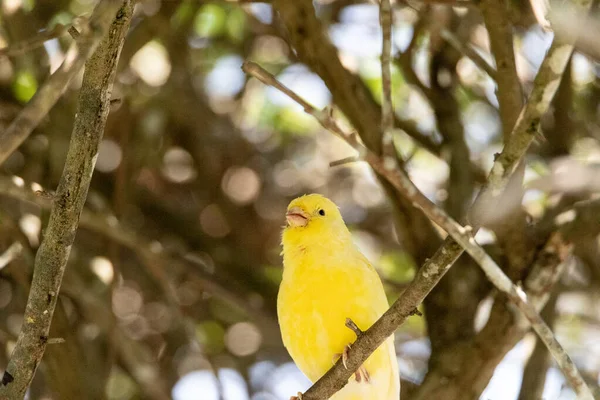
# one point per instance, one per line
(149, 7)
(188, 358)
(467, 71)
(243, 339)
(120, 385)
(233, 384)
(109, 156)
(178, 165)
(36, 187)
(259, 373)
(241, 184)
(31, 226)
(18, 181)
(151, 63)
(192, 384)
(226, 78)
(367, 193)
(270, 49)
(287, 379)
(11, 6)
(90, 331)
(126, 301)
(305, 83)
(103, 268)
(6, 69)
(213, 221)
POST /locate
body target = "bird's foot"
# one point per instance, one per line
(344, 356)
(361, 375)
(297, 397)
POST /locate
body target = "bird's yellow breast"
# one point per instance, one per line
(322, 286)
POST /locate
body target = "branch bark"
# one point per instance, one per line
(45, 98)
(52, 256)
(510, 95)
(534, 376)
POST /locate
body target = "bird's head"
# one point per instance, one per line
(313, 213)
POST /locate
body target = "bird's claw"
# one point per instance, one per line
(361, 374)
(297, 397)
(344, 356)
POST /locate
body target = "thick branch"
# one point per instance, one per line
(45, 98)
(336, 378)
(52, 256)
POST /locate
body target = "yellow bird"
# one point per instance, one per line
(326, 279)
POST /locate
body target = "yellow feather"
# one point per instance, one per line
(326, 280)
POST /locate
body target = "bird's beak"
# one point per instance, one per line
(296, 217)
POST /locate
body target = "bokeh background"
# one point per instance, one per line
(171, 287)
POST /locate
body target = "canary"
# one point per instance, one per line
(326, 279)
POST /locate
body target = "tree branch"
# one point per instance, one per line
(534, 376)
(52, 256)
(19, 48)
(469, 52)
(387, 108)
(46, 96)
(510, 95)
(337, 377)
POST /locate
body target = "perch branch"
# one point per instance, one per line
(336, 377)
(47, 95)
(51, 258)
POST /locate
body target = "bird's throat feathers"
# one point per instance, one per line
(302, 243)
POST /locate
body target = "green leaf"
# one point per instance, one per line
(24, 86)
(236, 25)
(211, 335)
(210, 21)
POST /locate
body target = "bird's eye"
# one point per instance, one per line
(321, 212)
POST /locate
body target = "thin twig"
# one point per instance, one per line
(353, 327)
(47, 95)
(387, 107)
(19, 48)
(343, 161)
(337, 376)
(52, 256)
(469, 52)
